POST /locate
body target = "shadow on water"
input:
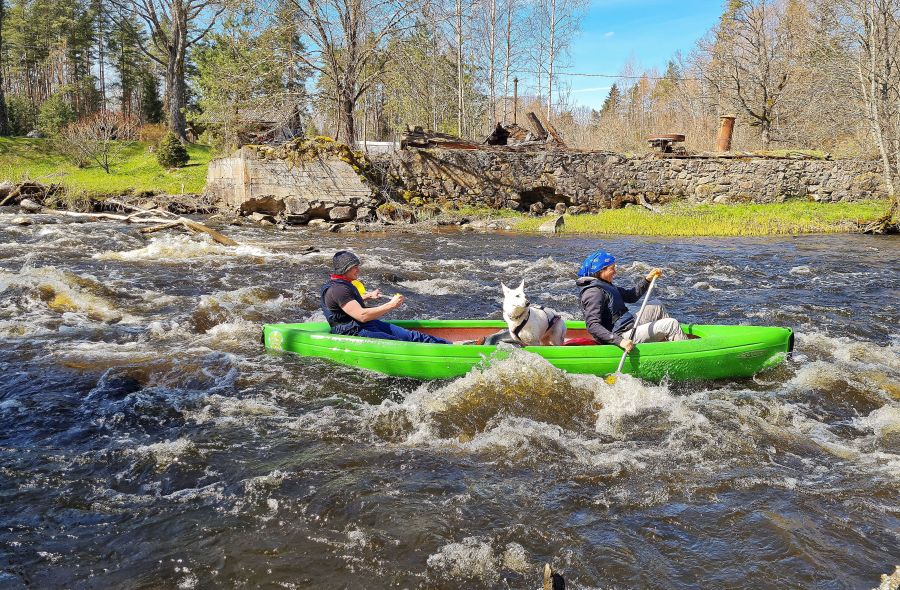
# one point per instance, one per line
(147, 441)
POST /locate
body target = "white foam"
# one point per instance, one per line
(167, 452)
(473, 557)
(885, 421)
(179, 248)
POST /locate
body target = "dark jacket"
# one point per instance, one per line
(605, 315)
(340, 322)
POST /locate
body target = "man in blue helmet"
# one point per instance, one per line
(345, 307)
(607, 317)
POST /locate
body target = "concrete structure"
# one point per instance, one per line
(249, 182)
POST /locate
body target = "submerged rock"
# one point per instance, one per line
(21, 221)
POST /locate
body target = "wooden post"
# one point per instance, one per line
(726, 130)
(515, 98)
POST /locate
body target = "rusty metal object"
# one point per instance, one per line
(664, 142)
(726, 131)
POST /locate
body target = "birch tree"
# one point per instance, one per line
(875, 29)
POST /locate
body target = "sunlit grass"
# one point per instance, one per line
(38, 159)
(790, 217)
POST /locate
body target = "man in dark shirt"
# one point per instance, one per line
(345, 308)
(607, 317)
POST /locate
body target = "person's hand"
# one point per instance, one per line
(376, 294)
(626, 344)
(396, 301)
(654, 274)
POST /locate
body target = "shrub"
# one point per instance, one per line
(55, 113)
(152, 133)
(171, 153)
(22, 114)
(100, 138)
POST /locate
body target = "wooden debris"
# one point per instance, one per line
(169, 219)
(536, 126)
(162, 226)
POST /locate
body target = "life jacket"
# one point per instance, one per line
(340, 322)
(622, 319)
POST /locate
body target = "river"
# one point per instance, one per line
(148, 441)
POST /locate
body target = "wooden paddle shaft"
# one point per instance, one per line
(639, 313)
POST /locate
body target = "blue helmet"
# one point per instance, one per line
(595, 263)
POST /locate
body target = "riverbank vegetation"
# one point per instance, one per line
(137, 169)
(774, 219)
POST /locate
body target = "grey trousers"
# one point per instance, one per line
(655, 325)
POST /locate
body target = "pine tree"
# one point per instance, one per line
(171, 152)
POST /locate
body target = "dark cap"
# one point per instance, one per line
(344, 261)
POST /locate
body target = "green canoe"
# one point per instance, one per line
(714, 352)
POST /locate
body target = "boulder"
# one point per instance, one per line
(29, 206)
(364, 213)
(560, 209)
(297, 206)
(296, 219)
(6, 187)
(35, 134)
(554, 226)
(21, 221)
(262, 218)
(536, 208)
(342, 213)
(266, 204)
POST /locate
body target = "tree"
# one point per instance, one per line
(345, 43)
(171, 152)
(174, 27)
(750, 60)
(4, 119)
(243, 78)
(612, 102)
(875, 29)
(556, 23)
(101, 138)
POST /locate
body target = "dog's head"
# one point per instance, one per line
(514, 300)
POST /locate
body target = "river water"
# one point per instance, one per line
(147, 440)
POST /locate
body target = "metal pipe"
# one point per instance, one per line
(515, 98)
(726, 131)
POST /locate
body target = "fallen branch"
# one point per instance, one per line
(162, 226)
(189, 224)
(12, 195)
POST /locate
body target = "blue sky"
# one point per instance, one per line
(648, 32)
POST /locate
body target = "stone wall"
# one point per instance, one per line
(536, 181)
(323, 188)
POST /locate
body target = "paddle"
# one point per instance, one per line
(611, 379)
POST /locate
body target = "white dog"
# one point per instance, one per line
(531, 324)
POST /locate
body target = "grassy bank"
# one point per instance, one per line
(38, 159)
(791, 217)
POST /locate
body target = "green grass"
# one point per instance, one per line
(138, 170)
(788, 218)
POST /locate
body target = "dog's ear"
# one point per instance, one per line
(505, 288)
(522, 286)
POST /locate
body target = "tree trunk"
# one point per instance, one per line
(460, 107)
(492, 60)
(506, 65)
(175, 94)
(550, 73)
(4, 118)
(346, 128)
